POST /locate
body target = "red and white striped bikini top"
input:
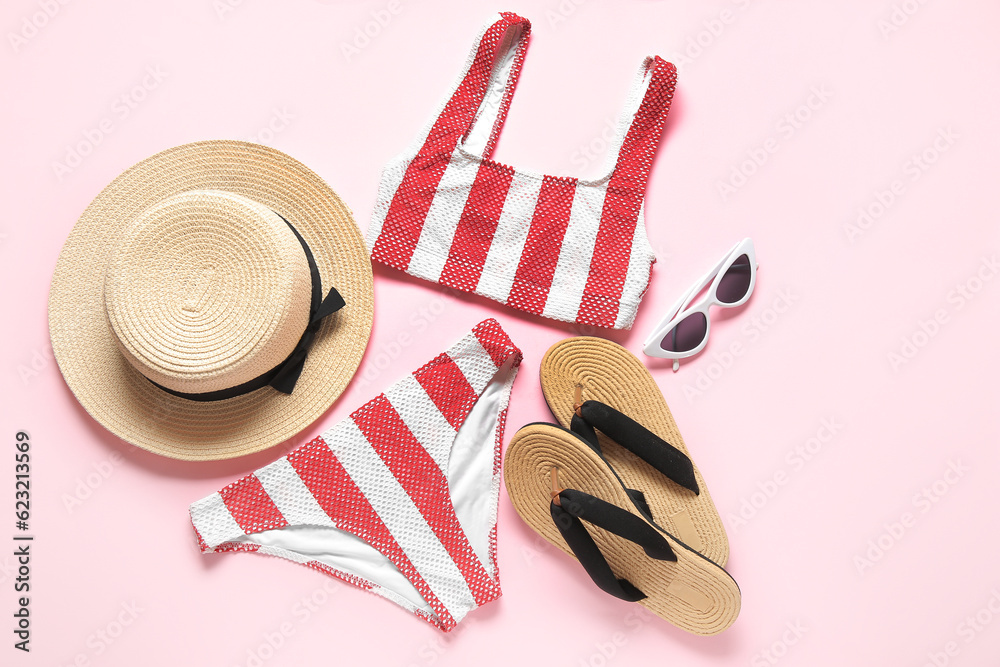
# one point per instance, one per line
(559, 247)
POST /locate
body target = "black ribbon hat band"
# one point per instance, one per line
(283, 376)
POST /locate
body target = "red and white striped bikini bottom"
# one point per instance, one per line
(400, 498)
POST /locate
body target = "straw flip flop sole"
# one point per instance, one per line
(692, 593)
(607, 372)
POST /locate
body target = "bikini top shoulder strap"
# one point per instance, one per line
(475, 112)
(645, 117)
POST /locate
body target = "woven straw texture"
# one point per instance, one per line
(207, 290)
(607, 372)
(693, 593)
(235, 320)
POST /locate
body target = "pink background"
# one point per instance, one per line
(889, 92)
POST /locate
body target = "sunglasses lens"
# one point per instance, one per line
(735, 282)
(687, 335)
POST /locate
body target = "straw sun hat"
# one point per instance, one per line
(189, 278)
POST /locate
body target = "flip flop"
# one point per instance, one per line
(567, 493)
(593, 383)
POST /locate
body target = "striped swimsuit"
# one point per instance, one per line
(400, 498)
(562, 248)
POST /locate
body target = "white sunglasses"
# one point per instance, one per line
(684, 331)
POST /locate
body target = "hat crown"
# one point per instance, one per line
(207, 290)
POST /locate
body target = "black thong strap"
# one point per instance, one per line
(574, 507)
(636, 438)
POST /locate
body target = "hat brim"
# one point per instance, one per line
(129, 405)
